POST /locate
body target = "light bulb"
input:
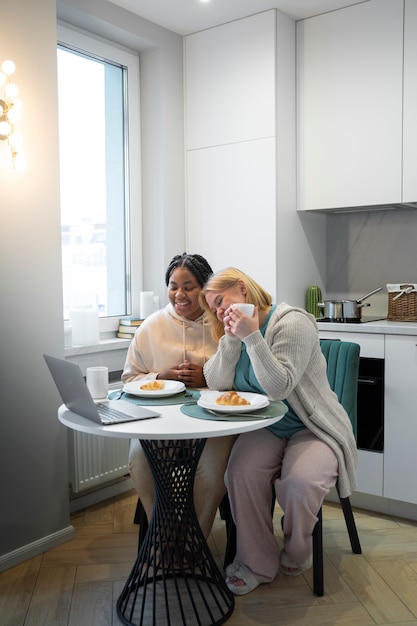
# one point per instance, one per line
(8, 67)
(16, 139)
(14, 115)
(19, 162)
(5, 128)
(17, 104)
(11, 90)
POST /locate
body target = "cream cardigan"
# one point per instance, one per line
(289, 364)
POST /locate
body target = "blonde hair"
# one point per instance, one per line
(224, 279)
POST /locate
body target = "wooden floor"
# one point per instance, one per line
(78, 583)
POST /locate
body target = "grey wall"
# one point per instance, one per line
(33, 466)
(366, 250)
(33, 456)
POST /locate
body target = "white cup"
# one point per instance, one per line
(246, 308)
(98, 381)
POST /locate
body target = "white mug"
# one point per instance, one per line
(98, 382)
(246, 308)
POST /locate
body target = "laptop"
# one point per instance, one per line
(76, 397)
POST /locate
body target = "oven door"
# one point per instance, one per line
(370, 415)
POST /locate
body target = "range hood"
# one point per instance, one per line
(375, 207)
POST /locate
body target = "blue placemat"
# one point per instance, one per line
(189, 395)
(274, 409)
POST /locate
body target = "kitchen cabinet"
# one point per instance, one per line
(239, 93)
(349, 106)
(400, 457)
(229, 75)
(392, 473)
(231, 165)
(371, 344)
(410, 99)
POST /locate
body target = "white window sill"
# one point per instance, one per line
(106, 344)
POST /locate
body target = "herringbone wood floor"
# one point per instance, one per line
(78, 583)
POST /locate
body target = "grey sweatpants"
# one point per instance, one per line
(301, 470)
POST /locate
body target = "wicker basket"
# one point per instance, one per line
(402, 303)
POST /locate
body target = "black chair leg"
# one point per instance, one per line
(318, 576)
(141, 519)
(226, 515)
(351, 525)
(224, 508)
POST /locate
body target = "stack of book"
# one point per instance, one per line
(128, 326)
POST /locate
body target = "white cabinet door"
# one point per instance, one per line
(370, 472)
(349, 91)
(410, 99)
(230, 82)
(400, 448)
(231, 207)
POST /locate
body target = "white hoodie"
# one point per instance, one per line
(165, 339)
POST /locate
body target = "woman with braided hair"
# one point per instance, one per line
(173, 344)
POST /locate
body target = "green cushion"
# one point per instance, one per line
(342, 371)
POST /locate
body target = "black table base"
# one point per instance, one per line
(175, 580)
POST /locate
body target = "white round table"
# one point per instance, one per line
(173, 424)
(175, 580)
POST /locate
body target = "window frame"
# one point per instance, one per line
(109, 51)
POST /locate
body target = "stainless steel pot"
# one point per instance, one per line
(345, 309)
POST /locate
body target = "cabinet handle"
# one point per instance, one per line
(368, 381)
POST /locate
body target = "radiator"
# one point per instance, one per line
(95, 460)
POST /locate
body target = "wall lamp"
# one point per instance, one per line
(10, 112)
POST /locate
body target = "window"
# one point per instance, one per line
(99, 148)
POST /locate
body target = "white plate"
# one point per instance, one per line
(171, 388)
(257, 401)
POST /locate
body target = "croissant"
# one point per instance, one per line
(231, 398)
(153, 385)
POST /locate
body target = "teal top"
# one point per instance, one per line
(245, 380)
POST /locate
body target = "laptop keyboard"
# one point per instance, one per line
(112, 416)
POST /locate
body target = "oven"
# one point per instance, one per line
(370, 412)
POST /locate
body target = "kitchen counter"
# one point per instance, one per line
(381, 326)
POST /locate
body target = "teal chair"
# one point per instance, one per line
(342, 372)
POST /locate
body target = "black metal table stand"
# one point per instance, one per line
(175, 580)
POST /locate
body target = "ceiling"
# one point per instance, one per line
(189, 16)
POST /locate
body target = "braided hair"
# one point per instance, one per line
(195, 263)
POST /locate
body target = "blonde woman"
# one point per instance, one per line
(276, 352)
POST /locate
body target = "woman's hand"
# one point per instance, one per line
(188, 373)
(238, 324)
